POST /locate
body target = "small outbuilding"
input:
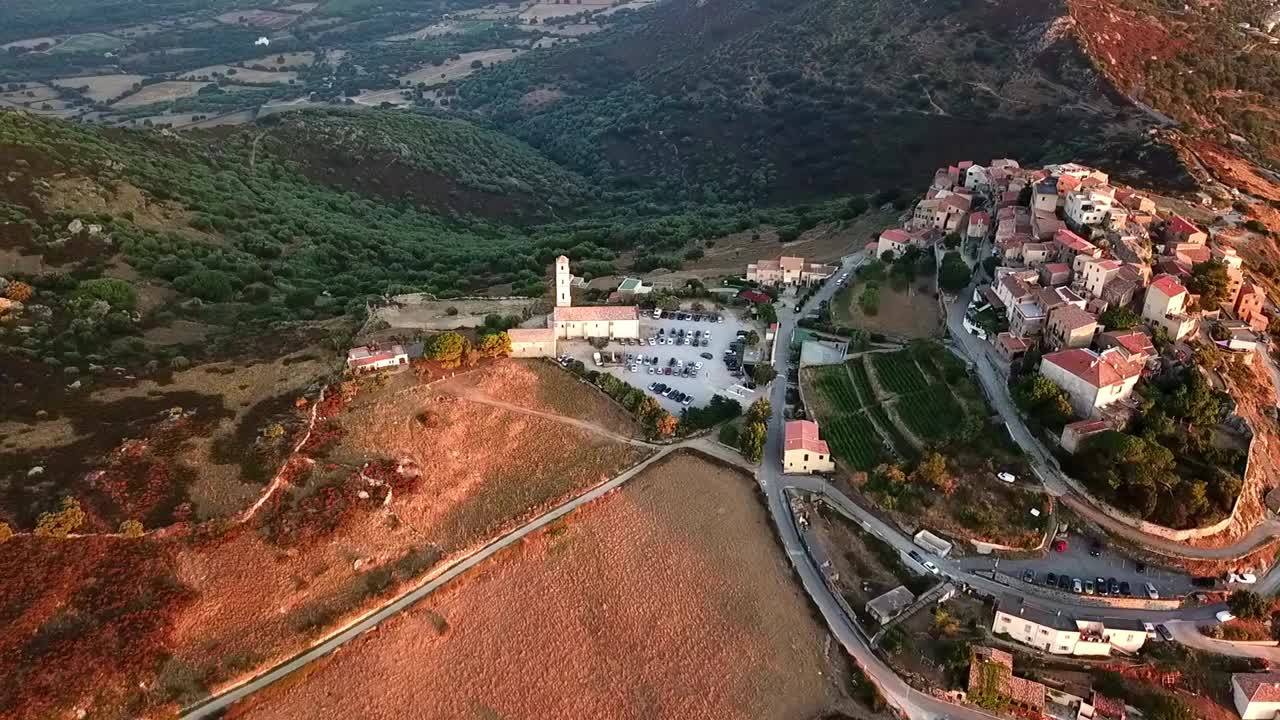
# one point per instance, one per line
(891, 604)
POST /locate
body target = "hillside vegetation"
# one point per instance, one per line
(1208, 65)
(765, 100)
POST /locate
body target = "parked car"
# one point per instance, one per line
(1113, 586)
(1151, 591)
(1095, 549)
(688, 400)
(915, 556)
(1028, 576)
(1124, 589)
(1089, 588)
(1059, 545)
(653, 386)
(707, 356)
(928, 565)
(1164, 633)
(1205, 583)
(1224, 616)
(1051, 579)
(1076, 586)
(1006, 477)
(1064, 582)
(1140, 568)
(1244, 578)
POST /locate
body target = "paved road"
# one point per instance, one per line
(980, 353)
(1188, 634)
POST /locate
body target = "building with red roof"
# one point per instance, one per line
(1092, 380)
(532, 342)
(368, 358)
(1256, 695)
(1249, 304)
(602, 321)
(1166, 306)
(1077, 432)
(1182, 230)
(803, 451)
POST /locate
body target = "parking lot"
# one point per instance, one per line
(714, 378)
(1077, 562)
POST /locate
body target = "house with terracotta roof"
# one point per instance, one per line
(1165, 306)
(1249, 304)
(602, 321)
(368, 358)
(1092, 380)
(532, 342)
(1077, 432)
(1182, 230)
(991, 673)
(1257, 695)
(1101, 707)
(977, 225)
(803, 451)
(897, 240)
(1135, 344)
(1069, 327)
(788, 271)
(1070, 247)
(1054, 274)
(1045, 225)
(1011, 347)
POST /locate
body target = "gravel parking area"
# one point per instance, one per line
(714, 378)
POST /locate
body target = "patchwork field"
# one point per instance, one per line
(102, 88)
(263, 19)
(291, 59)
(668, 598)
(887, 414)
(443, 28)
(393, 481)
(89, 42)
(159, 92)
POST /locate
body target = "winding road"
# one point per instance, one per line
(776, 487)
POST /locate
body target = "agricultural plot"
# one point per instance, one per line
(160, 92)
(100, 88)
(89, 42)
(898, 372)
(901, 445)
(855, 440)
(861, 380)
(931, 414)
(834, 382)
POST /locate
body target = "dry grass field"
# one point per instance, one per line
(160, 92)
(460, 68)
(102, 88)
(239, 74)
(667, 599)
(394, 481)
(912, 314)
(824, 243)
(542, 386)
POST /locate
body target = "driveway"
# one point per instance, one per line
(1187, 633)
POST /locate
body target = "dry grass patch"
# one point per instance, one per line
(911, 314)
(541, 386)
(102, 88)
(160, 92)
(669, 598)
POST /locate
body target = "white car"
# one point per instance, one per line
(1151, 591)
(928, 565)
(1006, 477)
(1224, 616)
(1244, 578)
(635, 369)
(653, 341)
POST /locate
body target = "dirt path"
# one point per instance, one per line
(473, 395)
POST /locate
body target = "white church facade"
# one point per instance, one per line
(603, 321)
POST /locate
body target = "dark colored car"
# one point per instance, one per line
(1064, 582)
(1204, 582)
(1164, 633)
(1028, 576)
(1124, 589)
(1140, 568)
(1101, 584)
(707, 356)
(1095, 549)
(1113, 586)
(1051, 579)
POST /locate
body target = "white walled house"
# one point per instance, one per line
(1165, 306)
(1087, 208)
(532, 342)
(1060, 634)
(1092, 380)
(803, 452)
(1256, 695)
(370, 358)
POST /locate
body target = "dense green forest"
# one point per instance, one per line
(758, 100)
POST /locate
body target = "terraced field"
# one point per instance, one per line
(898, 373)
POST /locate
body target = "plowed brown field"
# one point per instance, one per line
(667, 599)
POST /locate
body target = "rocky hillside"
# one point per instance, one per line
(1210, 66)
(765, 100)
